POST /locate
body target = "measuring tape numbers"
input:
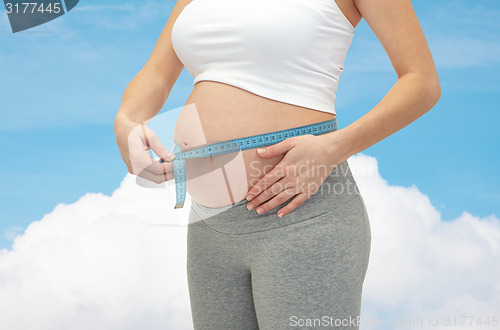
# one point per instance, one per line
(240, 144)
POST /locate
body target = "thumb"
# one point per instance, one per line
(159, 149)
(275, 149)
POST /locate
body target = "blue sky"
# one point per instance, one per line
(61, 85)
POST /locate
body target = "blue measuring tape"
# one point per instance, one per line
(245, 143)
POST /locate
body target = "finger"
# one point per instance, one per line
(159, 148)
(277, 200)
(141, 160)
(156, 178)
(269, 193)
(276, 149)
(139, 157)
(266, 181)
(294, 203)
(160, 168)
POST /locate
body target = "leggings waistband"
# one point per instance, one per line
(200, 212)
(337, 190)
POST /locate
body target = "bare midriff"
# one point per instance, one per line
(217, 112)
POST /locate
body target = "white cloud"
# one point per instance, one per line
(100, 263)
(420, 266)
(11, 232)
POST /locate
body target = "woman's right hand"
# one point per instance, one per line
(134, 140)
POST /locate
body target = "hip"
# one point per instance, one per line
(337, 204)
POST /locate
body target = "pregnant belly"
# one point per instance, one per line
(216, 112)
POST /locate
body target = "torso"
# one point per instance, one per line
(218, 112)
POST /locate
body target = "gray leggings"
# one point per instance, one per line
(302, 271)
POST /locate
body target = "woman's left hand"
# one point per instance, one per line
(308, 161)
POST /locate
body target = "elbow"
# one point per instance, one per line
(434, 91)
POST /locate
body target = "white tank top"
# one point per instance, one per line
(286, 50)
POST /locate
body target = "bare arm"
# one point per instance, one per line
(417, 90)
(148, 91)
(143, 98)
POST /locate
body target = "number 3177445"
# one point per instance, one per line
(33, 7)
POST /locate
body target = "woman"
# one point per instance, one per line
(296, 253)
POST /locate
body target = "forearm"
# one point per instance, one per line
(144, 96)
(411, 97)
